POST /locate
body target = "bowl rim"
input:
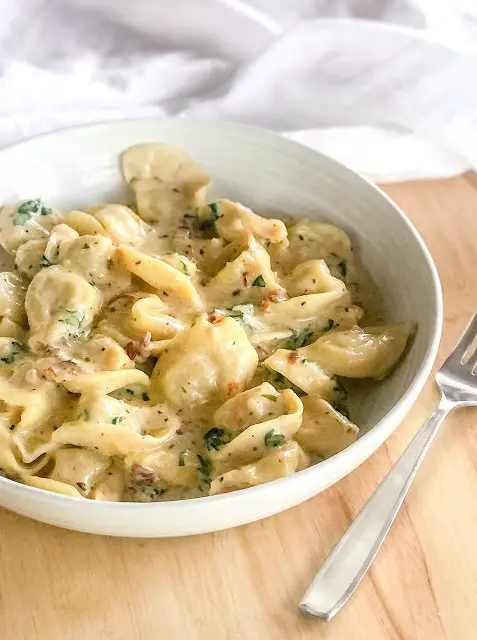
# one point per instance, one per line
(355, 450)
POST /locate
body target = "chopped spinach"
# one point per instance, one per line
(45, 262)
(207, 225)
(28, 209)
(117, 419)
(273, 439)
(299, 338)
(242, 317)
(216, 438)
(145, 396)
(343, 267)
(280, 382)
(17, 351)
(181, 459)
(142, 492)
(259, 281)
(185, 268)
(331, 324)
(74, 318)
(205, 470)
(84, 415)
(269, 397)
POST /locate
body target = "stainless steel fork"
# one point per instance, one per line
(350, 559)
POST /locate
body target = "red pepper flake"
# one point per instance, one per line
(216, 317)
(47, 374)
(232, 388)
(275, 295)
(265, 304)
(132, 350)
(293, 357)
(136, 348)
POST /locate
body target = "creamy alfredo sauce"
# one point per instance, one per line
(178, 348)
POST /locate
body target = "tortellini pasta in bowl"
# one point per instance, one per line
(182, 345)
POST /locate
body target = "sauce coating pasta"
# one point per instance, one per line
(179, 347)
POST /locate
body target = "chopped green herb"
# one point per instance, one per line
(74, 318)
(331, 324)
(216, 438)
(259, 282)
(299, 338)
(279, 379)
(269, 397)
(145, 396)
(181, 459)
(117, 419)
(27, 210)
(205, 470)
(274, 438)
(342, 266)
(236, 314)
(339, 398)
(130, 391)
(144, 492)
(17, 351)
(185, 268)
(208, 224)
(280, 382)
(45, 262)
(84, 415)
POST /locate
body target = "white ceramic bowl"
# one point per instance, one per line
(268, 173)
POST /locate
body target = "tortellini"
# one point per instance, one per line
(208, 362)
(370, 352)
(121, 224)
(29, 257)
(84, 223)
(166, 181)
(278, 427)
(94, 259)
(303, 373)
(177, 347)
(26, 220)
(236, 222)
(248, 278)
(81, 468)
(60, 305)
(163, 277)
(12, 297)
(324, 431)
(311, 240)
(277, 464)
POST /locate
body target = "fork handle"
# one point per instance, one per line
(350, 559)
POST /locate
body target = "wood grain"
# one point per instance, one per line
(245, 583)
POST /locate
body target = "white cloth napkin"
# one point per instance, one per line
(388, 87)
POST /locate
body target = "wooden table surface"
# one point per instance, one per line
(246, 582)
